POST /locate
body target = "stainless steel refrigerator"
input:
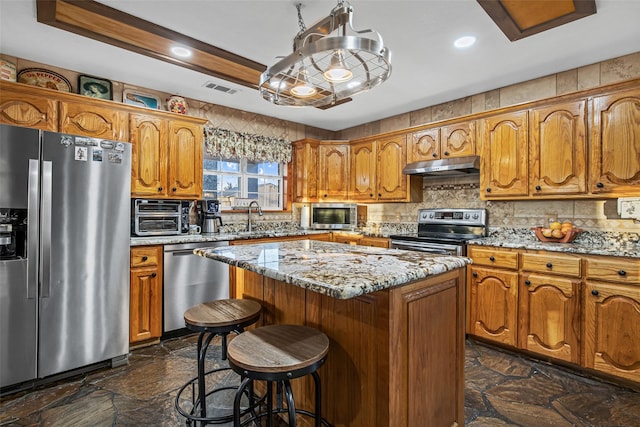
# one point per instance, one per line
(64, 265)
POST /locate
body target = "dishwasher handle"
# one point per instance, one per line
(182, 252)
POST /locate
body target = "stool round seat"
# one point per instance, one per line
(278, 354)
(224, 315)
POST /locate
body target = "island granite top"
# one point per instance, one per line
(334, 269)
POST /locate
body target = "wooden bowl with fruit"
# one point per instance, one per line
(557, 232)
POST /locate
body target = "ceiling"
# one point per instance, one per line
(427, 69)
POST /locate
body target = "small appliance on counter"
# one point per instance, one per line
(156, 217)
(210, 218)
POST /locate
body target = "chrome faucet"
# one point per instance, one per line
(253, 202)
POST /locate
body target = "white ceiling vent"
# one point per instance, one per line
(215, 86)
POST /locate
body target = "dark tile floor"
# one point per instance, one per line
(502, 389)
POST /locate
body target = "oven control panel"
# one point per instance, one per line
(453, 216)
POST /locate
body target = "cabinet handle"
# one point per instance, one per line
(159, 188)
(174, 189)
(446, 153)
(538, 188)
(324, 195)
(154, 274)
(474, 274)
(488, 190)
(434, 155)
(600, 185)
(622, 273)
(379, 195)
(144, 258)
(595, 293)
(370, 194)
(549, 265)
(492, 258)
(527, 282)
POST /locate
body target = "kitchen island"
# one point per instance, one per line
(395, 320)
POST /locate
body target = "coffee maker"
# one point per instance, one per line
(210, 216)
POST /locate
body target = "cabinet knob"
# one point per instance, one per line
(549, 265)
(370, 194)
(446, 153)
(324, 195)
(600, 185)
(159, 188)
(488, 190)
(434, 155)
(595, 293)
(154, 274)
(474, 274)
(538, 188)
(174, 189)
(527, 282)
(492, 258)
(144, 258)
(622, 273)
(379, 195)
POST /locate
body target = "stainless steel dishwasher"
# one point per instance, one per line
(189, 280)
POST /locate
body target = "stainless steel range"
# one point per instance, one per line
(444, 231)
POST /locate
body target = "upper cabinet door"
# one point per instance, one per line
(185, 143)
(425, 145)
(20, 108)
(363, 171)
(558, 149)
(333, 173)
(84, 118)
(148, 159)
(458, 140)
(504, 170)
(615, 144)
(391, 182)
(304, 160)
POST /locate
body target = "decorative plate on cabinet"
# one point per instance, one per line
(44, 78)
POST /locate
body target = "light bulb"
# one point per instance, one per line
(337, 71)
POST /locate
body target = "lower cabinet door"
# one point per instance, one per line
(145, 305)
(549, 321)
(494, 305)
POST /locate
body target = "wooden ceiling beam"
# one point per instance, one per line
(105, 24)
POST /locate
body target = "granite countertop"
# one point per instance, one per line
(334, 269)
(218, 237)
(589, 243)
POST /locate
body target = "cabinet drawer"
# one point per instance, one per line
(374, 241)
(493, 257)
(620, 270)
(146, 256)
(552, 263)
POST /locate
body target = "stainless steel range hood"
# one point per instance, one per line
(454, 166)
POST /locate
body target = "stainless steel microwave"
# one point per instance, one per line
(156, 217)
(337, 216)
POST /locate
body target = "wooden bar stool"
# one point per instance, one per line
(278, 353)
(211, 319)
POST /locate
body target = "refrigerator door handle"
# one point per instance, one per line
(45, 224)
(32, 226)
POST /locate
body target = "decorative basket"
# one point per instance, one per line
(567, 238)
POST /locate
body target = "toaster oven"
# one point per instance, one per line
(156, 217)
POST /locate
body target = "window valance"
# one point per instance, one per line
(235, 145)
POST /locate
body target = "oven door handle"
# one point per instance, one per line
(395, 244)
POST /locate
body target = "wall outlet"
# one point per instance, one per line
(629, 207)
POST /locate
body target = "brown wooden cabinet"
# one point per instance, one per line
(504, 170)
(549, 300)
(615, 144)
(333, 171)
(88, 118)
(23, 106)
(145, 304)
(376, 172)
(611, 303)
(379, 242)
(166, 157)
(453, 140)
(558, 149)
(304, 162)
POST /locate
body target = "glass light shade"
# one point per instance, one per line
(337, 71)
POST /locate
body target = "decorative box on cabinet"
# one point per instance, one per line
(145, 304)
(611, 304)
(454, 140)
(549, 300)
(21, 105)
(615, 144)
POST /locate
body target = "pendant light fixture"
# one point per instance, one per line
(330, 63)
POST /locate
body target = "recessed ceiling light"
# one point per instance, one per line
(464, 42)
(180, 51)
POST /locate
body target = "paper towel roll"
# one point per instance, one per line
(304, 216)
